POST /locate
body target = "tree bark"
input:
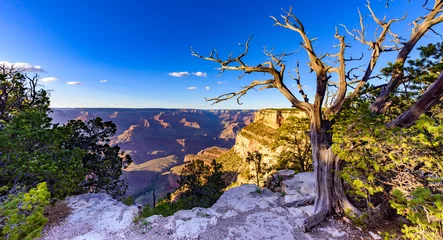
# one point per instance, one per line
(329, 184)
(429, 98)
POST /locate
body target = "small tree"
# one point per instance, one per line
(102, 162)
(19, 92)
(21, 212)
(260, 168)
(293, 136)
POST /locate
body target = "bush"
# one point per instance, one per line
(201, 186)
(32, 150)
(70, 159)
(129, 201)
(425, 211)
(293, 136)
(21, 214)
(396, 168)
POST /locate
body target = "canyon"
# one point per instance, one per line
(159, 139)
(162, 141)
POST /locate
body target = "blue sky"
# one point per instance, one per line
(140, 47)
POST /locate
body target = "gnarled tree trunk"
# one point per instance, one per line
(329, 185)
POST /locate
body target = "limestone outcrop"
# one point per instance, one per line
(244, 212)
(259, 136)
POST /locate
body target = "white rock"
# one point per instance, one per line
(191, 228)
(240, 213)
(228, 214)
(302, 183)
(94, 216)
(333, 232)
(296, 212)
(374, 235)
(285, 173)
(262, 225)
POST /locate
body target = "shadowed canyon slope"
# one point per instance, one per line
(159, 139)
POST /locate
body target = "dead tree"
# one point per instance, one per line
(330, 193)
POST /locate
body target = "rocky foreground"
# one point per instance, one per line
(244, 212)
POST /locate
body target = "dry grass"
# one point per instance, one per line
(56, 213)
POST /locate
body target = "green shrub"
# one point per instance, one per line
(167, 208)
(21, 214)
(425, 211)
(293, 136)
(260, 168)
(201, 186)
(129, 201)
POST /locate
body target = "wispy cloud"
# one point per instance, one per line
(221, 82)
(103, 81)
(306, 87)
(74, 83)
(22, 66)
(207, 88)
(192, 88)
(200, 74)
(49, 79)
(178, 74)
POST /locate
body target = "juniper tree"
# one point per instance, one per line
(331, 197)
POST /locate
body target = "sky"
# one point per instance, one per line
(136, 54)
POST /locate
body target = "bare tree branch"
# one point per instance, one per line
(376, 45)
(266, 84)
(297, 79)
(421, 26)
(340, 70)
(237, 64)
(429, 98)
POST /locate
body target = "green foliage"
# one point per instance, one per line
(73, 158)
(167, 208)
(103, 163)
(293, 137)
(231, 161)
(201, 186)
(32, 150)
(378, 158)
(19, 93)
(259, 132)
(402, 166)
(129, 201)
(21, 213)
(425, 211)
(259, 167)
(201, 180)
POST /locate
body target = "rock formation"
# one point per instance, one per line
(161, 121)
(244, 212)
(189, 124)
(258, 136)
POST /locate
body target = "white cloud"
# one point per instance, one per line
(306, 87)
(200, 74)
(22, 66)
(74, 83)
(103, 81)
(192, 88)
(178, 74)
(49, 79)
(207, 88)
(220, 82)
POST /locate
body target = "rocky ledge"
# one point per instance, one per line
(244, 212)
